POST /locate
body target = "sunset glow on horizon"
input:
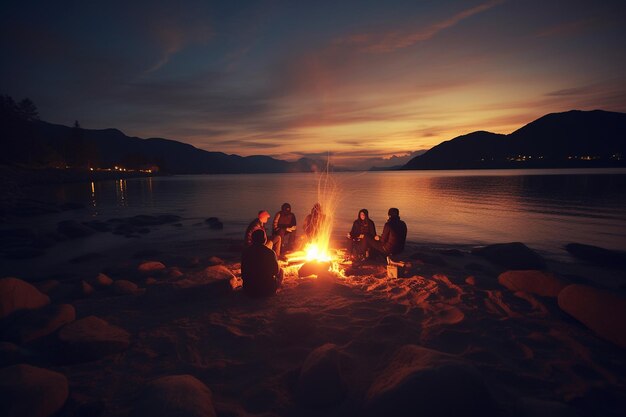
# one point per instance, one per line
(355, 80)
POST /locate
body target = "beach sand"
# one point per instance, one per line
(445, 338)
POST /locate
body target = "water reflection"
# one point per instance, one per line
(121, 193)
(544, 211)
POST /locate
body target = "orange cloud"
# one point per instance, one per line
(390, 41)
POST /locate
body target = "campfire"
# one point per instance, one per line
(317, 257)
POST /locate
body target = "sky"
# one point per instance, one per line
(357, 80)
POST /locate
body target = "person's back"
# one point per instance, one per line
(259, 268)
(394, 233)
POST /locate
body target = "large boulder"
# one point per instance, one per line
(597, 255)
(601, 311)
(513, 255)
(124, 287)
(16, 295)
(321, 382)
(420, 381)
(29, 391)
(537, 282)
(176, 396)
(35, 324)
(91, 338)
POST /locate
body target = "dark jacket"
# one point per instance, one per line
(254, 225)
(363, 227)
(283, 220)
(259, 270)
(394, 235)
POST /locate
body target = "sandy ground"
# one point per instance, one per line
(250, 352)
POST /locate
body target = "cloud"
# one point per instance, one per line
(390, 41)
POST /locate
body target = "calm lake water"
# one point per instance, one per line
(543, 208)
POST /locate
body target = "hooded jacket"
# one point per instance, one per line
(363, 227)
(394, 235)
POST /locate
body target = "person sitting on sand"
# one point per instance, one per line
(260, 272)
(285, 226)
(362, 227)
(313, 221)
(393, 238)
(259, 224)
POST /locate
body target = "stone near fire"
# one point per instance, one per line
(16, 295)
(541, 283)
(421, 381)
(176, 395)
(30, 391)
(321, 382)
(601, 311)
(313, 268)
(91, 338)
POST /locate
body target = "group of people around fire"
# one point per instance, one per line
(260, 270)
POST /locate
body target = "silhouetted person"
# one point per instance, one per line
(392, 241)
(259, 268)
(285, 226)
(313, 221)
(362, 228)
(259, 224)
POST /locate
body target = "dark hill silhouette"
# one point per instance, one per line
(51, 144)
(570, 139)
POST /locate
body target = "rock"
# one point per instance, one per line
(321, 382)
(541, 283)
(91, 338)
(86, 290)
(177, 395)
(514, 255)
(35, 324)
(214, 223)
(29, 391)
(218, 277)
(420, 381)
(16, 295)
(214, 260)
(597, 255)
(101, 281)
(74, 229)
(124, 287)
(150, 281)
(313, 268)
(151, 266)
(174, 272)
(601, 311)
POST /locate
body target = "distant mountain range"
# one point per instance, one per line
(571, 139)
(40, 143)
